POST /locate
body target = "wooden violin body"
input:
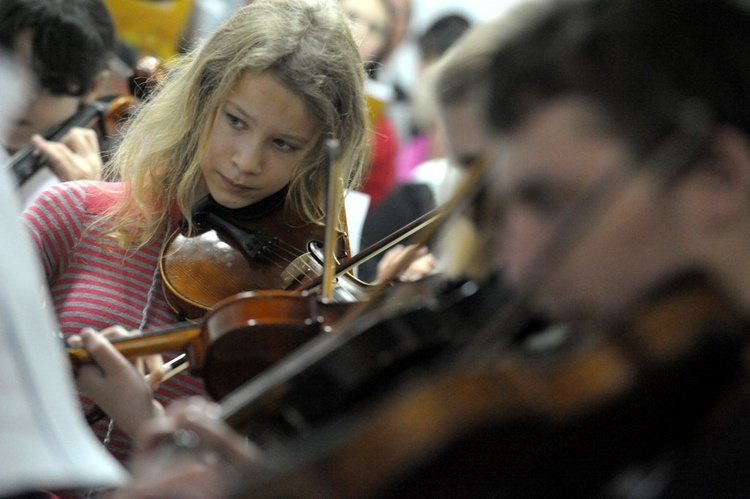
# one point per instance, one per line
(252, 331)
(238, 339)
(236, 252)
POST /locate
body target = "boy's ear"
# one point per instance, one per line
(721, 182)
(100, 87)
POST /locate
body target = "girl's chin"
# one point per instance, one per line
(232, 202)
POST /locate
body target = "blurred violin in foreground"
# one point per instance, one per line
(581, 419)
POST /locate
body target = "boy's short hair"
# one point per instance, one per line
(73, 40)
(641, 61)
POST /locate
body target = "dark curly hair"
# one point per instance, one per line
(73, 40)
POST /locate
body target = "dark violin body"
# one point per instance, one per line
(629, 413)
(418, 326)
(250, 332)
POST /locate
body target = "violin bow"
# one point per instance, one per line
(332, 216)
(430, 219)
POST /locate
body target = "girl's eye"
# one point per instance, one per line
(234, 121)
(281, 144)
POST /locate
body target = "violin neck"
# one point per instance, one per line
(173, 339)
(24, 164)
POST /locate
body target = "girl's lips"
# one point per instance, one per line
(233, 186)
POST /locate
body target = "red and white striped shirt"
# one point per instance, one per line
(95, 283)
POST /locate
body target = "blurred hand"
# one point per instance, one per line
(191, 453)
(76, 157)
(420, 263)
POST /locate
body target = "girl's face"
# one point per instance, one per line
(260, 135)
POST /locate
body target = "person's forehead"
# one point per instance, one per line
(562, 139)
(565, 122)
(465, 131)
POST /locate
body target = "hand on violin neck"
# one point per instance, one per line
(75, 157)
(114, 384)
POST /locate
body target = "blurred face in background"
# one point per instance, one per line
(464, 132)
(626, 238)
(371, 26)
(44, 110)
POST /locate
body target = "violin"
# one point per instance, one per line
(238, 339)
(260, 247)
(103, 115)
(575, 419)
(243, 335)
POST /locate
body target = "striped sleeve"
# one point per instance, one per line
(55, 221)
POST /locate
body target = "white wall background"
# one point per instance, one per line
(426, 11)
(402, 67)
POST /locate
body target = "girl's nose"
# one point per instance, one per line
(248, 158)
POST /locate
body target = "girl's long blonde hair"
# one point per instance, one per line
(307, 46)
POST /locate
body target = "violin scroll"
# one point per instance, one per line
(148, 73)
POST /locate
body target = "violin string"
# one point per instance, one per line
(302, 272)
(289, 254)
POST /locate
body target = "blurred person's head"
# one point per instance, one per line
(643, 109)
(372, 24)
(66, 45)
(440, 35)
(14, 85)
(457, 85)
(433, 43)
